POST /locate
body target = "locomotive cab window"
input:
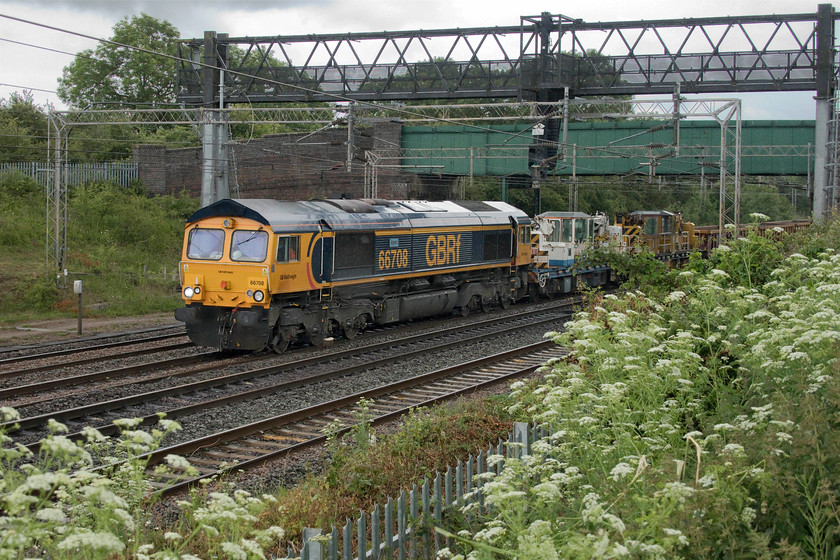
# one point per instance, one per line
(580, 230)
(525, 235)
(206, 244)
(567, 231)
(248, 246)
(554, 236)
(288, 249)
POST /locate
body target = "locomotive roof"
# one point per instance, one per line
(652, 213)
(355, 214)
(564, 215)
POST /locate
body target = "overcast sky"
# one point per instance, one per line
(38, 69)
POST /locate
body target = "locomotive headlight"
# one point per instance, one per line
(250, 293)
(259, 296)
(197, 290)
(189, 292)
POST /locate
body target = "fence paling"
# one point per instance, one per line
(121, 173)
(426, 505)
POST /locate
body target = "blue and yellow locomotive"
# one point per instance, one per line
(265, 273)
(262, 274)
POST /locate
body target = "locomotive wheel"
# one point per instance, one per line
(280, 345)
(463, 311)
(316, 339)
(483, 304)
(504, 301)
(351, 331)
(354, 329)
(280, 341)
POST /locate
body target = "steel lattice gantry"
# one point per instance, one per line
(788, 52)
(542, 59)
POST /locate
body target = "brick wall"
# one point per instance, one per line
(284, 167)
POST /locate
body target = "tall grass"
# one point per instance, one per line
(124, 246)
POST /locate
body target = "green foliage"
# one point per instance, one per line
(814, 240)
(116, 228)
(694, 425)
(120, 242)
(749, 261)
(23, 128)
(41, 294)
(113, 74)
(22, 211)
(635, 270)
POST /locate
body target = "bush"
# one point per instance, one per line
(40, 294)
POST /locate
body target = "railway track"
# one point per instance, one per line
(253, 444)
(236, 387)
(99, 341)
(51, 356)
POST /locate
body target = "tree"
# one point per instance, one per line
(116, 74)
(23, 128)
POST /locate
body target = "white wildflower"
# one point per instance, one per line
(56, 427)
(748, 515)
(102, 543)
(783, 437)
(234, 551)
(547, 491)
(734, 449)
(676, 491)
(620, 471)
(127, 423)
(707, 481)
(53, 515)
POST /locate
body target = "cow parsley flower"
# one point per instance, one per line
(707, 481)
(53, 515)
(734, 449)
(101, 543)
(9, 414)
(234, 551)
(56, 427)
(676, 491)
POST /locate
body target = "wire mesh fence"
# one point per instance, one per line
(120, 173)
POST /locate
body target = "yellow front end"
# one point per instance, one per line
(225, 283)
(225, 263)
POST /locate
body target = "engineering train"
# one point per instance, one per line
(264, 274)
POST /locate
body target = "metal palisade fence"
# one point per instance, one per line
(405, 527)
(120, 173)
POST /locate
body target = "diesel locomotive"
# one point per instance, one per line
(262, 274)
(259, 274)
